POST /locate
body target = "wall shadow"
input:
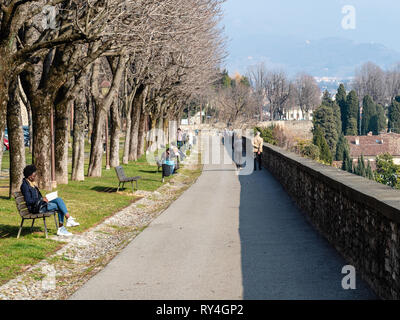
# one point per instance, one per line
(282, 255)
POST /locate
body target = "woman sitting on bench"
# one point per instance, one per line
(37, 204)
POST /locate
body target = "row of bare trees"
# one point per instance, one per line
(246, 98)
(279, 94)
(104, 65)
(381, 85)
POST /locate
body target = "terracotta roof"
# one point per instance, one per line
(374, 145)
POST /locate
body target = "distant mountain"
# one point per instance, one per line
(330, 57)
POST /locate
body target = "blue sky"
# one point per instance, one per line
(377, 21)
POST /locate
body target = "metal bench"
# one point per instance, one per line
(123, 178)
(159, 163)
(26, 215)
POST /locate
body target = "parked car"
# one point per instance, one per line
(6, 145)
(27, 139)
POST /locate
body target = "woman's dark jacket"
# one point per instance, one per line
(33, 197)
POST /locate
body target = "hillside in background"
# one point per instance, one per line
(329, 57)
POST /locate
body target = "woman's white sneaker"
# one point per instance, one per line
(62, 231)
(72, 223)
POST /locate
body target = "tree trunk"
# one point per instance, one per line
(96, 148)
(78, 145)
(16, 140)
(42, 142)
(141, 134)
(102, 107)
(166, 130)
(160, 133)
(125, 158)
(115, 134)
(29, 111)
(61, 142)
(2, 128)
(135, 118)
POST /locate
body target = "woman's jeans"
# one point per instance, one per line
(59, 206)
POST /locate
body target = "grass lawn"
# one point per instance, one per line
(89, 201)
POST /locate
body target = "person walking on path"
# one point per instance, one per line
(179, 138)
(258, 143)
(238, 150)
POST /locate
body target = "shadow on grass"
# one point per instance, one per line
(9, 231)
(107, 189)
(150, 171)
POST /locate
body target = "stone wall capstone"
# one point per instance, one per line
(359, 217)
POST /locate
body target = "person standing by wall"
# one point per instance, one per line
(258, 143)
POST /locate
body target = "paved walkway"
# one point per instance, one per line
(227, 237)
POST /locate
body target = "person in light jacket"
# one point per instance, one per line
(258, 143)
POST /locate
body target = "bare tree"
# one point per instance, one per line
(258, 75)
(392, 83)
(307, 93)
(277, 92)
(370, 80)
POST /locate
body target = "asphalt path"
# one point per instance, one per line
(227, 237)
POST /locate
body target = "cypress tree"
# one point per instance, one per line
(370, 173)
(352, 113)
(341, 101)
(362, 170)
(342, 146)
(351, 129)
(347, 164)
(394, 116)
(369, 112)
(378, 121)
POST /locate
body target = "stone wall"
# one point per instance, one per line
(360, 218)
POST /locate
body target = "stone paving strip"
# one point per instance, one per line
(83, 255)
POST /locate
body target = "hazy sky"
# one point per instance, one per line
(376, 20)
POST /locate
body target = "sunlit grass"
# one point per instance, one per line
(89, 201)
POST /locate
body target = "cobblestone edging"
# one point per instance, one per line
(84, 255)
(360, 218)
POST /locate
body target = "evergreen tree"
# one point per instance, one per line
(341, 148)
(352, 113)
(369, 112)
(226, 81)
(378, 121)
(324, 118)
(394, 116)
(341, 101)
(362, 170)
(370, 173)
(320, 141)
(347, 162)
(351, 127)
(338, 118)
(327, 99)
